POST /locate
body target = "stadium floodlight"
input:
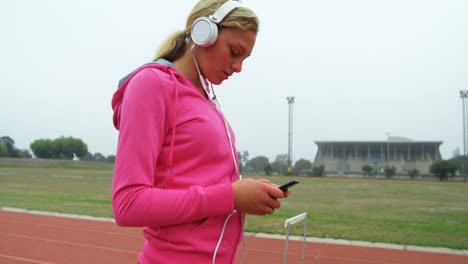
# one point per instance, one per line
(290, 102)
(388, 148)
(464, 96)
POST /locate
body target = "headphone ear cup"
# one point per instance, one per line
(204, 32)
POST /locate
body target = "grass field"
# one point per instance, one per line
(403, 212)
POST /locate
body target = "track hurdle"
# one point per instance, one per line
(288, 223)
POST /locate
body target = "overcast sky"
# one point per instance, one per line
(359, 70)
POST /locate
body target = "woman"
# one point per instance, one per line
(176, 171)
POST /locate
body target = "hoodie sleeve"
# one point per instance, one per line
(144, 121)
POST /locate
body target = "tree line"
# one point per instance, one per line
(443, 169)
(261, 165)
(70, 148)
(60, 148)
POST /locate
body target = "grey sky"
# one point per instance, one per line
(357, 69)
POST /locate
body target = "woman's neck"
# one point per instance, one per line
(186, 66)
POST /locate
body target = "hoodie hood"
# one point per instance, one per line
(161, 64)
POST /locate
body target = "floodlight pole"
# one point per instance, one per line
(290, 102)
(388, 148)
(464, 96)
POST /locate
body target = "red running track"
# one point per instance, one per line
(30, 238)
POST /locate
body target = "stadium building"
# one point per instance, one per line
(347, 157)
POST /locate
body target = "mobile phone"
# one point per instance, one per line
(288, 185)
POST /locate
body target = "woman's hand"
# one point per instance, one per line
(285, 193)
(257, 197)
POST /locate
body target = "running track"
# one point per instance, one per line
(31, 238)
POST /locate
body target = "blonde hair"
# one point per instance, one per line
(240, 18)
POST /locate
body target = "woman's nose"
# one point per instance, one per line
(237, 66)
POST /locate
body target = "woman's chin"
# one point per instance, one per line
(216, 82)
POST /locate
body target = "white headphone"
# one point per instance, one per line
(205, 29)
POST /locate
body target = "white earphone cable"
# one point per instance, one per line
(221, 237)
(239, 176)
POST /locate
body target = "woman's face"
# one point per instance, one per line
(226, 56)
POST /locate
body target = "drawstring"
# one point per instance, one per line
(171, 151)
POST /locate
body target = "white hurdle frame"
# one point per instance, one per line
(288, 223)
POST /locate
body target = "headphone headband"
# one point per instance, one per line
(224, 10)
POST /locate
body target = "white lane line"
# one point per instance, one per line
(24, 259)
(54, 226)
(85, 217)
(69, 243)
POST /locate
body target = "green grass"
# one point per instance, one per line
(78, 191)
(404, 212)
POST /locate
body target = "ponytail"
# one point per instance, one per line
(173, 48)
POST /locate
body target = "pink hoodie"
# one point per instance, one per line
(166, 123)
